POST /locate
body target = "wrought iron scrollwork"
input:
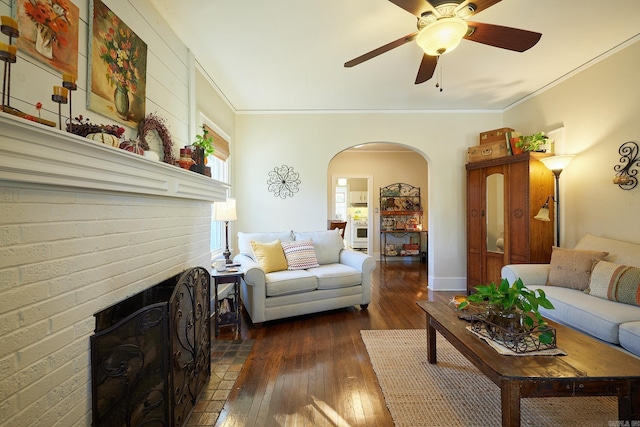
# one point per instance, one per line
(283, 181)
(626, 171)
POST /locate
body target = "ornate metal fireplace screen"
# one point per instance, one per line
(151, 354)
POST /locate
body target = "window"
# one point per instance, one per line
(219, 163)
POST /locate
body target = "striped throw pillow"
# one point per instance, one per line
(615, 282)
(300, 254)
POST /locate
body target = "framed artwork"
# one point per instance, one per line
(49, 32)
(117, 68)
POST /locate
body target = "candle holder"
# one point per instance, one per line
(59, 96)
(69, 82)
(8, 52)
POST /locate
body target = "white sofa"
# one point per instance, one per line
(611, 321)
(342, 279)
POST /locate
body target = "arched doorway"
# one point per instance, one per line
(380, 164)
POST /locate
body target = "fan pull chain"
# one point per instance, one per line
(439, 75)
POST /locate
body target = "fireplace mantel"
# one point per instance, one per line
(33, 155)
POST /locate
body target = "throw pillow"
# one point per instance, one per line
(615, 282)
(327, 244)
(300, 254)
(270, 255)
(571, 268)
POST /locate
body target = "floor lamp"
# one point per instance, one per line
(555, 164)
(225, 211)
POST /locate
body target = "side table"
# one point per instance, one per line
(232, 317)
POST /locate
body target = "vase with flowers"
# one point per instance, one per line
(121, 51)
(51, 19)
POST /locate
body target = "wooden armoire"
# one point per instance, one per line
(503, 196)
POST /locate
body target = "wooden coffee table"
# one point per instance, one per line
(591, 368)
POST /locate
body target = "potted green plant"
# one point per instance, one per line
(535, 142)
(513, 306)
(205, 142)
(203, 148)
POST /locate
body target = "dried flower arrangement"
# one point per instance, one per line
(83, 127)
(154, 122)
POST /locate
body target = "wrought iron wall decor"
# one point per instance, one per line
(283, 181)
(626, 171)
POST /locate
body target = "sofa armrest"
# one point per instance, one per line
(531, 274)
(253, 288)
(253, 274)
(365, 264)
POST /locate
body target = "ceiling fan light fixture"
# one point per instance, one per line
(442, 36)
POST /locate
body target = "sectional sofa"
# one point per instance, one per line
(595, 288)
(293, 273)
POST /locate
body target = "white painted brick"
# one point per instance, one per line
(9, 235)
(73, 212)
(39, 351)
(76, 352)
(45, 309)
(22, 338)
(9, 322)
(34, 233)
(42, 272)
(9, 387)
(13, 256)
(21, 296)
(77, 416)
(8, 367)
(34, 196)
(34, 391)
(8, 408)
(23, 213)
(8, 279)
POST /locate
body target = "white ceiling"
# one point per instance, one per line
(288, 55)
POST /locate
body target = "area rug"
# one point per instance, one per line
(455, 393)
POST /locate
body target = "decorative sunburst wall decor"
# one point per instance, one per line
(283, 181)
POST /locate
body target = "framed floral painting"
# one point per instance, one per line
(49, 32)
(117, 74)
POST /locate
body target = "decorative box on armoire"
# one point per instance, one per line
(503, 196)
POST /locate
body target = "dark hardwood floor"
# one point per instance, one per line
(314, 370)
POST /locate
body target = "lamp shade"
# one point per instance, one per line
(225, 211)
(442, 36)
(557, 162)
(543, 214)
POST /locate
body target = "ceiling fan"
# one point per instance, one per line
(442, 24)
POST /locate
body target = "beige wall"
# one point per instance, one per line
(308, 142)
(599, 108)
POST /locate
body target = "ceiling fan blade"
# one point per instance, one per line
(416, 7)
(427, 68)
(502, 37)
(480, 5)
(382, 49)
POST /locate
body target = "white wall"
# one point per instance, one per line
(599, 108)
(308, 142)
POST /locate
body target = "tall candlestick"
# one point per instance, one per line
(69, 82)
(60, 96)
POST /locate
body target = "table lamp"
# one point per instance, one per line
(225, 211)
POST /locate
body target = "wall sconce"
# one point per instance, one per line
(556, 164)
(625, 172)
(225, 211)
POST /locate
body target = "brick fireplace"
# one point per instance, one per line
(82, 227)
